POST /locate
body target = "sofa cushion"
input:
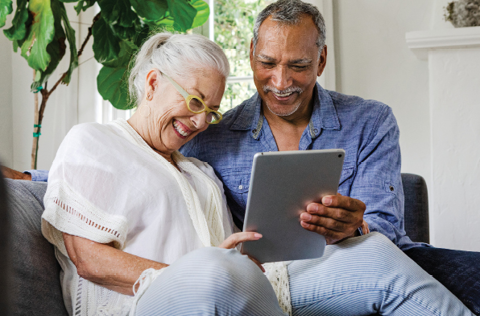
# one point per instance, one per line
(36, 286)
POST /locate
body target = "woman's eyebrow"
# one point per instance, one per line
(197, 93)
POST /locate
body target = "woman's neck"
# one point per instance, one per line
(139, 122)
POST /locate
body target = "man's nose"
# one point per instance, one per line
(281, 78)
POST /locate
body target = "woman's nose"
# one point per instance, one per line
(198, 120)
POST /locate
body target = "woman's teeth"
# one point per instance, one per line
(179, 129)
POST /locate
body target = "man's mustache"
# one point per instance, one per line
(292, 89)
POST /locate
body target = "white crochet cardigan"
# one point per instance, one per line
(106, 184)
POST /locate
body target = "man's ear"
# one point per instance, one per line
(251, 53)
(322, 61)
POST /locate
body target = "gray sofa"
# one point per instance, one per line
(33, 275)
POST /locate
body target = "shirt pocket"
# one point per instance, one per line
(236, 183)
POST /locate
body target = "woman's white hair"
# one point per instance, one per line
(177, 55)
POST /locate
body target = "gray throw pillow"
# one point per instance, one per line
(36, 286)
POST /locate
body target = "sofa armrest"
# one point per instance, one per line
(36, 288)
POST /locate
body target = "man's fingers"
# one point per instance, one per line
(344, 202)
(329, 223)
(338, 214)
(331, 236)
(233, 240)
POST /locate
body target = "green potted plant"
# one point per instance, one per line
(41, 31)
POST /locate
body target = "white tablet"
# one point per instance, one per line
(282, 184)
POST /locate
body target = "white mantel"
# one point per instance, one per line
(454, 83)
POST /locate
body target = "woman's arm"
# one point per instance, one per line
(105, 265)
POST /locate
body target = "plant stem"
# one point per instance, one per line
(33, 163)
(89, 34)
(46, 94)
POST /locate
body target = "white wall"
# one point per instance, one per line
(6, 135)
(374, 62)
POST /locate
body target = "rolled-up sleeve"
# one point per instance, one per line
(378, 180)
(38, 175)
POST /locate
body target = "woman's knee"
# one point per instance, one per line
(211, 279)
(217, 269)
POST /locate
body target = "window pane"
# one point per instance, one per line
(236, 93)
(233, 29)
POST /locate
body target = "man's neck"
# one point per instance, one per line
(288, 130)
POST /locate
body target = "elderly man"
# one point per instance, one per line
(293, 112)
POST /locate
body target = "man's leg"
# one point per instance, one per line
(210, 281)
(458, 270)
(367, 275)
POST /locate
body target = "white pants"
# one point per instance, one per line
(360, 276)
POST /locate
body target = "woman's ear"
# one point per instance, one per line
(151, 82)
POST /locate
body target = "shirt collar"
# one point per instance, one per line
(323, 117)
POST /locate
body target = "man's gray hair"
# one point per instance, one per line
(290, 12)
(178, 55)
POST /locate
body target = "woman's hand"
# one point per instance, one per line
(233, 240)
(365, 229)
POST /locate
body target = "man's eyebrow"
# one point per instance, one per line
(265, 57)
(301, 61)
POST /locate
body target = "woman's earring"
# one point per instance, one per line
(149, 97)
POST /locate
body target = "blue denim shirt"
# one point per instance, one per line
(365, 129)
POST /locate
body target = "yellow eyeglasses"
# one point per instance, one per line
(196, 105)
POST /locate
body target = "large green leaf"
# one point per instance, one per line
(150, 10)
(84, 5)
(142, 34)
(120, 16)
(5, 9)
(56, 49)
(166, 24)
(42, 30)
(18, 31)
(70, 32)
(105, 43)
(203, 11)
(127, 50)
(183, 14)
(112, 86)
(117, 12)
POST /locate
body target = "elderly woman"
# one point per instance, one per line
(138, 226)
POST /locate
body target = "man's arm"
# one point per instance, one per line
(376, 184)
(33, 175)
(14, 174)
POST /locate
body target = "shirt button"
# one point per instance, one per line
(254, 131)
(240, 187)
(392, 188)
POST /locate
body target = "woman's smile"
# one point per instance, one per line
(181, 130)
